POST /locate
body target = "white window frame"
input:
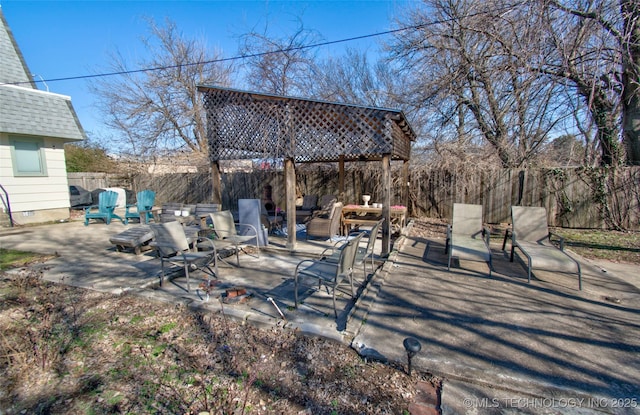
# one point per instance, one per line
(28, 156)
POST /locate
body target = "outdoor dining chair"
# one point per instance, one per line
(467, 238)
(236, 234)
(530, 234)
(329, 273)
(173, 247)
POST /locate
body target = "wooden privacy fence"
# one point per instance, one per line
(574, 198)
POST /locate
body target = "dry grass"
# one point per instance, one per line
(65, 350)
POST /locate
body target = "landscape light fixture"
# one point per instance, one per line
(412, 346)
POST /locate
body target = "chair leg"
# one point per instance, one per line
(161, 270)
(335, 307)
(351, 282)
(186, 274)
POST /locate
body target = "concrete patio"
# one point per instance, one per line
(502, 345)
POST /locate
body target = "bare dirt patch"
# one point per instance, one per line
(65, 350)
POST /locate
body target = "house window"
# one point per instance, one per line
(28, 157)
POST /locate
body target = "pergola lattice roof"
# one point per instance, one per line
(248, 125)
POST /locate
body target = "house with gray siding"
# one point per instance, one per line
(34, 126)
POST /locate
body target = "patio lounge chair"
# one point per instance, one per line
(530, 233)
(105, 209)
(466, 237)
(229, 232)
(172, 246)
(328, 272)
(364, 252)
(322, 226)
(142, 209)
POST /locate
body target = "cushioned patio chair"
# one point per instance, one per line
(173, 247)
(329, 273)
(309, 204)
(326, 227)
(236, 234)
(142, 210)
(467, 238)
(105, 210)
(530, 234)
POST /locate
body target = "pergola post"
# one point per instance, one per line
(341, 178)
(405, 184)
(216, 191)
(290, 194)
(386, 204)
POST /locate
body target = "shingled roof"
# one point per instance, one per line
(23, 108)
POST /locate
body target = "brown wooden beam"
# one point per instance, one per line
(341, 179)
(386, 205)
(290, 194)
(216, 191)
(405, 184)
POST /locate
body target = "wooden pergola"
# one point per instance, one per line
(253, 125)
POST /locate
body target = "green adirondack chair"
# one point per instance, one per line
(105, 210)
(141, 210)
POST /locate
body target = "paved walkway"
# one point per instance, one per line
(502, 345)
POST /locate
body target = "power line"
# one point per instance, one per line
(233, 58)
(256, 55)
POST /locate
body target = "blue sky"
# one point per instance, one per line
(74, 38)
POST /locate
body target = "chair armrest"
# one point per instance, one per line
(208, 242)
(487, 235)
(304, 261)
(247, 225)
(506, 236)
(560, 239)
(332, 249)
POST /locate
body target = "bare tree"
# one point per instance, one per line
(283, 66)
(159, 109)
(352, 78)
(592, 45)
(469, 62)
(581, 51)
(630, 10)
